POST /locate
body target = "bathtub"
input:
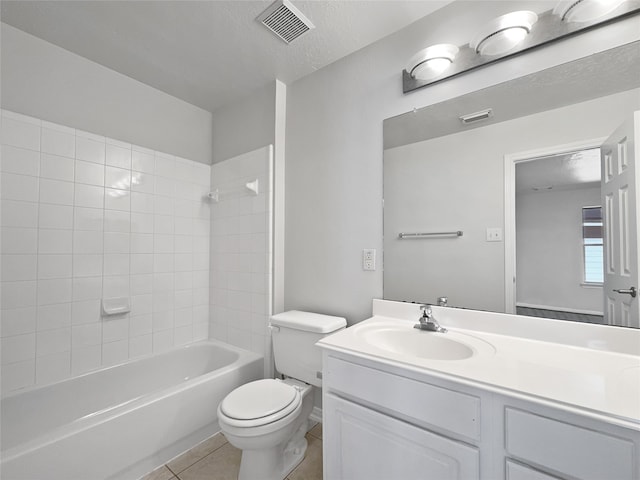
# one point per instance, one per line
(123, 421)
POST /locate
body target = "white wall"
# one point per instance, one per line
(334, 149)
(456, 182)
(84, 218)
(245, 125)
(549, 256)
(48, 82)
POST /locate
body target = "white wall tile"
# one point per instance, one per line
(56, 192)
(142, 182)
(87, 265)
(55, 241)
(86, 241)
(140, 346)
(86, 311)
(89, 196)
(116, 263)
(115, 352)
(118, 178)
(18, 375)
(18, 294)
(142, 160)
(18, 321)
(87, 288)
(116, 242)
(85, 359)
(140, 325)
(115, 329)
(117, 156)
(57, 168)
(58, 142)
(117, 221)
(54, 266)
(115, 286)
(88, 218)
(117, 199)
(19, 240)
(20, 134)
(20, 161)
(18, 214)
(142, 202)
(18, 348)
(51, 317)
(141, 263)
(90, 150)
(89, 173)
(55, 216)
(19, 187)
(53, 368)
(162, 341)
(51, 291)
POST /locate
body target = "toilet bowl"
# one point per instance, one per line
(267, 420)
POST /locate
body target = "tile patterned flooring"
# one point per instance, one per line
(217, 459)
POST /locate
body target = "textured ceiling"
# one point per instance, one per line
(209, 53)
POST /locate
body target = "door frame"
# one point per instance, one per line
(510, 162)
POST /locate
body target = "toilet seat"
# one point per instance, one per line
(259, 403)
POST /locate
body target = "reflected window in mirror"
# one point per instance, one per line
(592, 245)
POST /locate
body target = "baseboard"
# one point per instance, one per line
(316, 414)
(559, 309)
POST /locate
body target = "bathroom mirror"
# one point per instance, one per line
(457, 181)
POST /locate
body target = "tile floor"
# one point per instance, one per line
(217, 459)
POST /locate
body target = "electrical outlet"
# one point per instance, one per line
(369, 259)
(494, 234)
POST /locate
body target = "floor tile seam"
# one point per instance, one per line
(197, 461)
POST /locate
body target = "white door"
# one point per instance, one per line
(620, 208)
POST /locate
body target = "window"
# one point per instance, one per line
(592, 244)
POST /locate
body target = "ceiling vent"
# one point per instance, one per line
(285, 20)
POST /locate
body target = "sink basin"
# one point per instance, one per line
(408, 341)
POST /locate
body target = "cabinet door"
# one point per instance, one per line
(360, 443)
(516, 471)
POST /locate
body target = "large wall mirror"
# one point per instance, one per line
(509, 214)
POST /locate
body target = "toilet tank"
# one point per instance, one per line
(294, 335)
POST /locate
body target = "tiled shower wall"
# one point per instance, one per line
(86, 217)
(241, 252)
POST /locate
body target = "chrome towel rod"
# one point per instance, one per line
(457, 233)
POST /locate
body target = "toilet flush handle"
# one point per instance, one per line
(274, 328)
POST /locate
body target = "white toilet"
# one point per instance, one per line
(267, 419)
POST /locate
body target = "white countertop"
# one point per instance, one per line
(591, 380)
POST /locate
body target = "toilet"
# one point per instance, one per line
(267, 419)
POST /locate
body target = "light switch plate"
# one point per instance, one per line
(494, 234)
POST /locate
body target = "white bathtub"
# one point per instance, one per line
(123, 421)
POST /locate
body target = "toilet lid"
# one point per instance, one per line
(259, 399)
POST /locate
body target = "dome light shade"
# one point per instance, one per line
(585, 10)
(504, 33)
(432, 61)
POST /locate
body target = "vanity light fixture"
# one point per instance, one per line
(477, 116)
(432, 61)
(504, 33)
(513, 34)
(585, 10)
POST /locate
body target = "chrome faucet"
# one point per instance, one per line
(428, 322)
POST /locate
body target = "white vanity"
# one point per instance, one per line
(496, 397)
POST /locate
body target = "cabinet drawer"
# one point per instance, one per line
(567, 449)
(362, 444)
(515, 471)
(456, 412)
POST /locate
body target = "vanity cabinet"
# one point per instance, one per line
(382, 421)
